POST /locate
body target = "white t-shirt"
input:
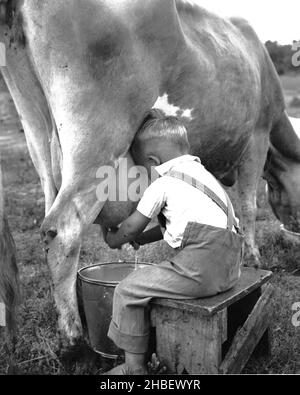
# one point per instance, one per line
(180, 202)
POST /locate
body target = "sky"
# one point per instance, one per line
(273, 20)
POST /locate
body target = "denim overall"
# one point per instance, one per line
(208, 262)
(219, 250)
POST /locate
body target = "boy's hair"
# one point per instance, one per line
(157, 125)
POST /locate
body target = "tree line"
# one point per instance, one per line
(286, 58)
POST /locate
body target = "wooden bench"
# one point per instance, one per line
(217, 334)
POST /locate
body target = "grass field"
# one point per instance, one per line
(291, 85)
(37, 350)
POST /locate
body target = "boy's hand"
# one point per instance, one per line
(128, 231)
(111, 239)
(136, 246)
(104, 232)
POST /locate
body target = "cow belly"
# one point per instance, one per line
(116, 211)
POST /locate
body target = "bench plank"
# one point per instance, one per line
(186, 342)
(250, 280)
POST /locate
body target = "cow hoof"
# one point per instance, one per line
(77, 354)
(72, 336)
(66, 343)
(252, 257)
(252, 261)
(70, 330)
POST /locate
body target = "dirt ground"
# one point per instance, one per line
(37, 350)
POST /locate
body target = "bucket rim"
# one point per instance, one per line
(106, 283)
(289, 232)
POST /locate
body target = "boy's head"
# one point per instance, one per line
(160, 138)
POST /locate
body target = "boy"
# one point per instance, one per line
(199, 224)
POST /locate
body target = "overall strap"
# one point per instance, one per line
(228, 210)
(231, 221)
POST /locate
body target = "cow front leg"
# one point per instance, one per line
(250, 172)
(63, 267)
(62, 232)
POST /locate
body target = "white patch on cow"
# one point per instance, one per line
(187, 113)
(296, 125)
(191, 2)
(267, 190)
(117, 5)
(162, 103)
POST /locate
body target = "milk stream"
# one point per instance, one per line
(136, 260)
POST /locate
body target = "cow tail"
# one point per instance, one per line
(9, 278)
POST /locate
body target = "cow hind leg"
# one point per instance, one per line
(250, 172)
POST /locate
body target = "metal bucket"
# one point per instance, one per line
(291, 236)
(97, 285)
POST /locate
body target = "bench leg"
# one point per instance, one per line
(237, 315)
(249, 335)
(263, 349)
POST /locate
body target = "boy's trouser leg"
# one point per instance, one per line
(208, 263)
(130, 325)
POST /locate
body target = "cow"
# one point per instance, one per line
(9, 276)
(282, 172)
(83, 74)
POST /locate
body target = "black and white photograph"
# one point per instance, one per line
(149, 190)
